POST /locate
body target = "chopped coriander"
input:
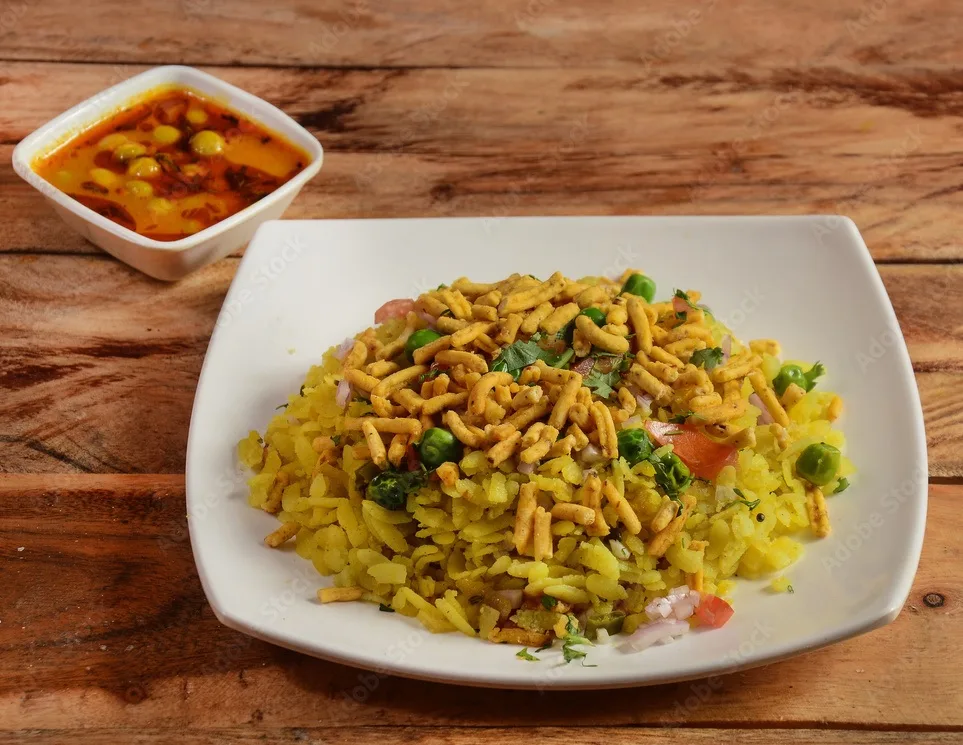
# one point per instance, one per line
(385, 608)
(516, 357)
(336, 439)
(442, 286)
(751, 505)
(569, 652)
(790, 590)
(282, 406)
(430, 374)
(524, 654)
(301, 390)
(841, 485)
(739, 493)
(681, 315)
(546, 645)
(707, 358)
(548, 602)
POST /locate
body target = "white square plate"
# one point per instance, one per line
(807, 281)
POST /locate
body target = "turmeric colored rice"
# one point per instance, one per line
(605, 451)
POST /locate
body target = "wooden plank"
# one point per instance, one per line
(103, 380)
(581, 141)
(93, 639)
(542, 33)
(257, 735)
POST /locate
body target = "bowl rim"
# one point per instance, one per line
(97, 107)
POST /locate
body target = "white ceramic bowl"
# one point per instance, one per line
(168, 260)
(807, 281)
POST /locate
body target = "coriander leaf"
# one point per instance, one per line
(707, 358)
(282, 406)
(385, 608)
(569, 652)
(751, 505)
(739, 493)
(683, 295)
(548, 602)
(301, 390)
(843, 485)
(681, 315)
(442, 286)
(790, 590)
(546, 645)
(816, 371)
(680, 418)
(515, 357)
(602, 384)
(524, 654)
(336, 439)
(430, 374)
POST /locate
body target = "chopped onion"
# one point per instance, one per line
(590, 454)
(726, 347)
(680, 306)
(343, 394)
(654, 632)
(526, 468)
(764, 417)
(679, 604)
(602, 637)
(584, 367)
(619, 550)
(427, 318)
(342, 351)
(725, 494)
(514, 597)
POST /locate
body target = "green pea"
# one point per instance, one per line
(390, 489)
(639, 284)
(634, 445)
(418, 339)
(788, 375)
(672, 474)
(438, 446)
(818, 464)
(611, 622)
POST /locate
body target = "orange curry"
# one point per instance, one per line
(171, 164)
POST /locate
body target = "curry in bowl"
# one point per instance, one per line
(171, 164)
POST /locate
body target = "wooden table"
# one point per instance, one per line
(435, 107)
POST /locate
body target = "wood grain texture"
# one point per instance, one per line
(502, 33)
(104, 624)
(259, 735)
(100, 377)
(877, 145)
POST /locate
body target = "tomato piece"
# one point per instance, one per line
(680, 306)
(704, 457)
(713, 611)
(394, 309)
(412, 460)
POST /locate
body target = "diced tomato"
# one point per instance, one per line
(704, 457)
(394, 309)
(680, 306)
(713, 611)
(413, 461)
